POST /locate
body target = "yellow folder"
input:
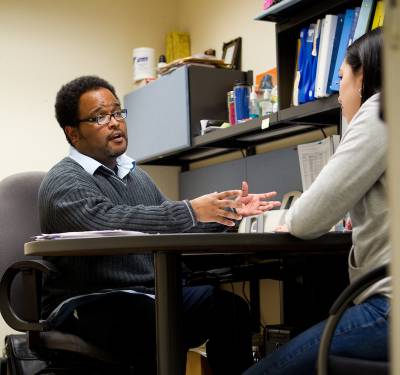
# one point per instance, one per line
(379, 15)
(177, 45)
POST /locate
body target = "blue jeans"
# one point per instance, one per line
(361, 333)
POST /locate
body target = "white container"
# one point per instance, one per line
(143, 63)
(265, 103)
(254, 108)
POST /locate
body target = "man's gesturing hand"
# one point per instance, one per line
(212, 207)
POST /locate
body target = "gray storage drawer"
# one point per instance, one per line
(165, 115)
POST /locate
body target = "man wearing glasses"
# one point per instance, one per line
(98, 187)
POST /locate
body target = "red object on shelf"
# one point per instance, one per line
(268, 3)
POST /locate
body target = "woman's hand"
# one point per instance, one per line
(255, 204)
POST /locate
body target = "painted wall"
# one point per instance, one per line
(392, 114)
(46, 43)
(213, 22)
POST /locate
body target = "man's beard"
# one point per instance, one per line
(117, 153)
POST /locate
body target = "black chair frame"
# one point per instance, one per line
(338, 308)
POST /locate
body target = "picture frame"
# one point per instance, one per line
(231, 53)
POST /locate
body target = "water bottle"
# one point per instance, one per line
(241, 93)
(231, 107)
(274, 99)
(254, 108)
(265, 103)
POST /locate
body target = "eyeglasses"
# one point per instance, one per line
(105, 119)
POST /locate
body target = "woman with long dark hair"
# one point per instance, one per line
(353, 181)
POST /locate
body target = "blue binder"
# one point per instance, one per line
(354, 25)
(336, 41)
(314, 57)
(307, 64)
(364, 19)
(299, 66)
(344, 43)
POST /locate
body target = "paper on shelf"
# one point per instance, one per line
(87, 234)
(313, 157)
(265, 123)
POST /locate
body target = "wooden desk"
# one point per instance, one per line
(167, 249)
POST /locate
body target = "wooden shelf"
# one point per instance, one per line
(227, 137)
(292, 12)
(280, 11)
(290, 16)
(288, 122)
(324, 110)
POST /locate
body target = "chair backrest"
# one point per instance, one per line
(19, 221)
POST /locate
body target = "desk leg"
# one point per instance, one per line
(169, 314)
(255, 304)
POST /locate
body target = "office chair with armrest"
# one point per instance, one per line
(337, 365)
(39, 350)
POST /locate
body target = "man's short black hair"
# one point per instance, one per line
(67, 100)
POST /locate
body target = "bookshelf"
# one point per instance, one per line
(245, 136)
(290, 16)
(288, 13)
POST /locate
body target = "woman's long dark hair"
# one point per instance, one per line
(366, 54)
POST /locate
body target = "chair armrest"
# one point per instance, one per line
(6, 309)
(339, 306)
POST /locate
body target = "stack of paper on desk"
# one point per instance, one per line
(87, 234)
(207, 61)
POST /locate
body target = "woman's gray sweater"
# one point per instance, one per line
(352, 181)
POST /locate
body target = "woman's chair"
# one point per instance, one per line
(39, 350)
(336, 365)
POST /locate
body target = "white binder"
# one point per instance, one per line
(325, 55)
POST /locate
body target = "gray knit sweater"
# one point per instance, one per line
(71, 199)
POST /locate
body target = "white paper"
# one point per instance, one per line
(87, 234)
(265, 123)
(312, 158)
(325, 55)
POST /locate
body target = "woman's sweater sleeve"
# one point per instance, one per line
(358, 163)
